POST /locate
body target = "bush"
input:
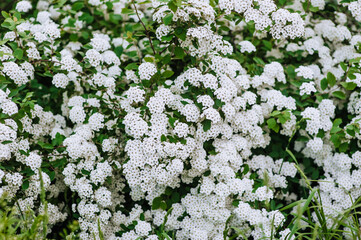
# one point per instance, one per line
(171, 119)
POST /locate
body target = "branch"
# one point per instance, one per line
(145, 28)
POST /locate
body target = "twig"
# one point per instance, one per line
(145, 28)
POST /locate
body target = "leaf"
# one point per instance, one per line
(172, 121)
(180, 33)
(127, 11)
(172, 6)
(85, 172)
(324, 84)
(259, 61)
(163, 205)
(350, 130)
(85, 35)
(282, 119)
(339, 94)
(349, 85)
(245, 169)
(166, 59)
(282, 2)
(179, 53)
(51, 175)
(5, 14)
(149, 59)
(343, 147)
(314, 9)
(336, 140)
(18, 53)
(156, 203)
(45, 145)
(168, 19)
(25, 185)
(87, 18)
(343, 66)
(163, 138)
(131, 66)
(175, 197)
(167, 74)
(291, 205)
(271, 123)
(267, 44)
(77, 6)
(165, 235)
(337, 122)
(331, 79)
(206, 125)
(275, 113)
(115, 18)
(304, 208)
(118, 51)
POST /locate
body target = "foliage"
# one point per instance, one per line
(180, 119)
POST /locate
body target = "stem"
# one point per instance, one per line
(145, 28)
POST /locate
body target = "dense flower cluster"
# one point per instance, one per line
(197, 119)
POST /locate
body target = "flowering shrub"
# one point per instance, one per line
(180, 119)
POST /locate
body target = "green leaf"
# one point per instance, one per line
(85, 172)
(131, 66)
(51, 175)
(267, 44)
(175, 197)
(324, 84)
(85, 35)
(167, 74)
(18, 53)
(115, 18)
(172, 6)
(156, 203)
(282, 2)
(25, 185)
(167, 38)
(163, 138)
(87, 18)
(180, 33)
(349, 85)
(336, 140)
(271, 123)
(179, 53)
(343, 147)
(5, 14)
(245, 169)
(331, 79)
(206, 125)
(343, 66)
(172, 121)
(350, 130)
(314, 9)
(77, 6)
(282, 119)
(163, 205)
(275, 113)
(259, 61)
(339, 94)
(127, 11)
(45, 145)
(149, 59)
(166, 59)
(168, 19)
(118, 51)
